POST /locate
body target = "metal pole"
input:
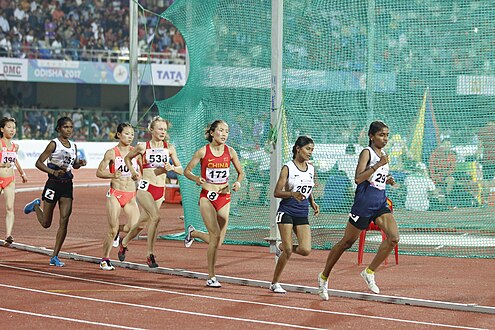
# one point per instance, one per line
(133, 62)
(276, 113)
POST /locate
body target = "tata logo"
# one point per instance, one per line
(169, 75)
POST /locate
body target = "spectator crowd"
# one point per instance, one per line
(86, 30)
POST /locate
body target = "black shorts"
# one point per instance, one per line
(362, 222)
(283, 217)
(54, 190)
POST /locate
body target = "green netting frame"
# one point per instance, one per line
(424, 67)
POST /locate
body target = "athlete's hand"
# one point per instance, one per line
(316, 208)
(169, 167)
(297, 196)
(58, 173)
(7, 165)
(383, 161)
(82, 162)
(200, 181)
(390, 180)
(136, 176)
(24, 178)
(117, 174)
(236, 186)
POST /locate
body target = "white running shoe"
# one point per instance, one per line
(106, 265)
(188, 240)
(370, 281)
(213, 283)
(116, 241)
(322, 288)
(278, 251)
(277, 288)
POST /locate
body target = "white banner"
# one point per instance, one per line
(13, 69)
(476, 85)
(93, 152)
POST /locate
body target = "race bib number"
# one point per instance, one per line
(8, 157)
(122, 167)
(378, 180)
(305, 190)
(212, 196)
(49, 194)
(157, 157)
(143, 185)
(216, 175)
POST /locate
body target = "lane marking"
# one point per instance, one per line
(238, 300)
(66, 319)
(231, 318)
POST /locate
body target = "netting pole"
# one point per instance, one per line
(370, 69)
(275, 113)
(133, 62)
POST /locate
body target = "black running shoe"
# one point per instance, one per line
(151, 261)
(122, 251)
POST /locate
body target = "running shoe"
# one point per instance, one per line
(30, 206)
(54, 261)
(213, 283)
(9, 240)
(322, 287)
(189, 239)
(106, 264)
(116, 240)
(278, 251)
(277, 288)
(370, 281)
(151, 261)
(122, 251)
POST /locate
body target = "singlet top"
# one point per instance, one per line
(118, 164)
(298, 181)
(370, 194)
(62, 158)
(215, 169)
(8, 155)
(155, 157)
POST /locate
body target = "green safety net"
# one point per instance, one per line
(426, 68)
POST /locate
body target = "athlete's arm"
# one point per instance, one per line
(138, 150)
(238, 167)
(198, 155)
(79, 162)
(177, 167)
(103, 172)
(40, 162)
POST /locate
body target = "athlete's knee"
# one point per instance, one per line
(155, 218)
(304, 251)
(346, 244)
(393, 240)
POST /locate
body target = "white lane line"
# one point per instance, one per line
(66, 319)
(161, 308)
(242, 301)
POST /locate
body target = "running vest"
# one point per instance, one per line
(8, 155)
(379, 177)
(62, 158)
(119, 165)
(298, 181)
(215, 169)
(155, 157)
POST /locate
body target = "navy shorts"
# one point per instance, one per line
(283, 217)
(55, 189)
(362, 222)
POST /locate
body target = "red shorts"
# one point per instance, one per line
(155, 191)
(123, 197)
(216, 199)
(4, 182)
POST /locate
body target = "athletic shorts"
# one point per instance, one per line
(362, 222)
(155, 191)
(123, 197)
(56, 189)
(4, 182)
(284, 218)
(216, 199)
